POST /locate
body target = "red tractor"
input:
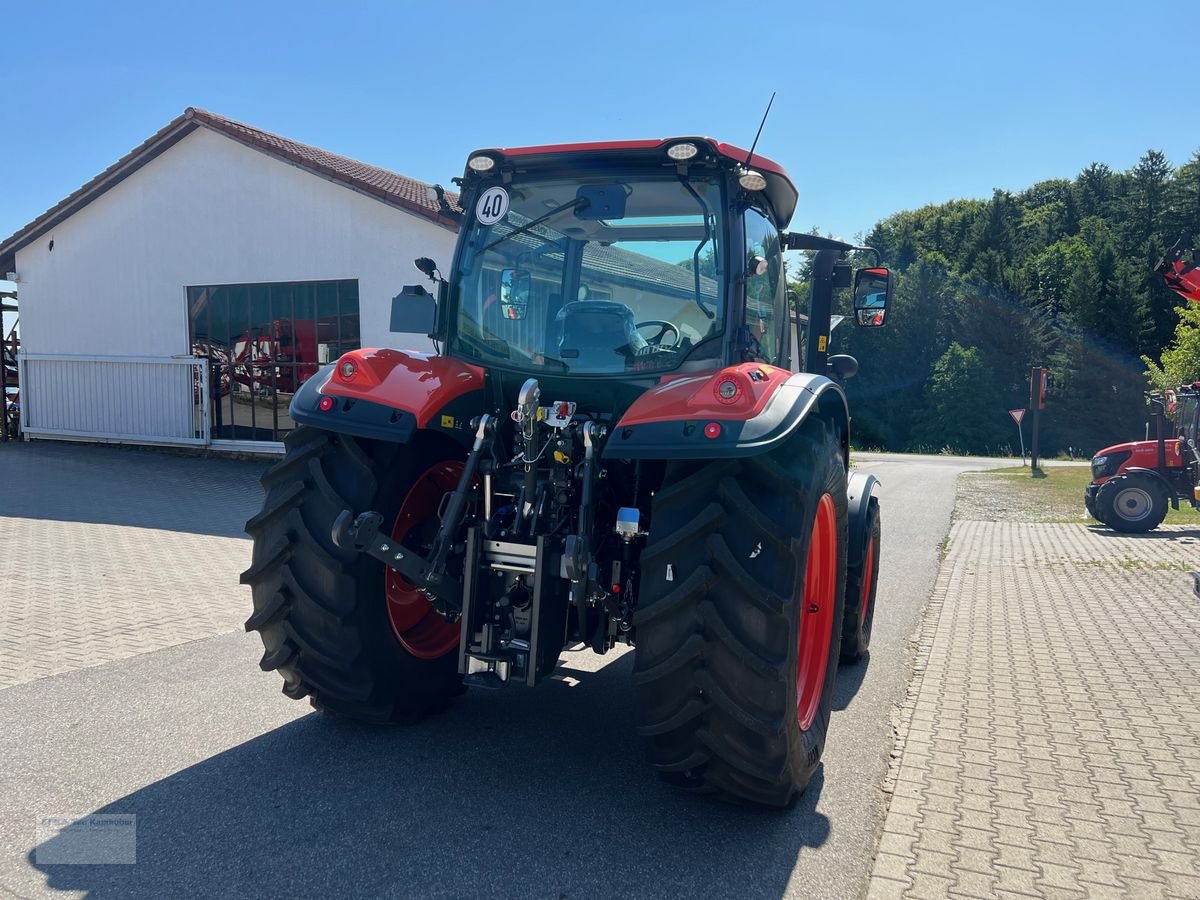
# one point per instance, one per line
(616, 444)
(1133, 483)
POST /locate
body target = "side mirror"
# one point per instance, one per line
(515, 287)
(428, 267)
(872, 294)
(413, 311)
(842, 367)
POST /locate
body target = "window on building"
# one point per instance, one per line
(263, 341)
(766, 301)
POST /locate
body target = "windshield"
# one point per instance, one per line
(611, 275)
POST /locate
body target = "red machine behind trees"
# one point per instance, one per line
(1180, 269)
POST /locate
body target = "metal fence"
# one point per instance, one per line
(115, 398)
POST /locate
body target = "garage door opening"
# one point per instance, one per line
(262, 341)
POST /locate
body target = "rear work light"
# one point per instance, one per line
(682, 151)
(751, 180)
(348, 369)
(481, 163)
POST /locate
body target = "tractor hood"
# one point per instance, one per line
(1134, 454)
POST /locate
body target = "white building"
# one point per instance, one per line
(182, 294)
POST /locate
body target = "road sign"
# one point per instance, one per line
(1017, 414)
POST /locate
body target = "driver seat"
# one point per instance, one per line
(598, 335)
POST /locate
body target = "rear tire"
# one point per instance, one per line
(1131, 503)
(862, 581)
(728, 702)
(320, 610)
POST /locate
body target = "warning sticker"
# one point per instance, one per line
(447, 421)
(492, 206)
(822, 341)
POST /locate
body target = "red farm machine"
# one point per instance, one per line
(1134, 483)
(616, 443)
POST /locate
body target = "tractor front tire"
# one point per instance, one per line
(323, 612)
(862, 582)
(739, 624)
(1131, 503)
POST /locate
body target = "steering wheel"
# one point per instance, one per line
(663, 328)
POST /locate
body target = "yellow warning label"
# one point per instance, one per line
(821, 342)
(447, 421)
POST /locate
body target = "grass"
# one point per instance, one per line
(1058, 492)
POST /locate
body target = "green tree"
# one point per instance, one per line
(963, 409)
(1180, 361)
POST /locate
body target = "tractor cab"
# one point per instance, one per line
(1183, 408)
(621, 264)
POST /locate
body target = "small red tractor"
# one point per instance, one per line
(1133, 483)
(616, 443)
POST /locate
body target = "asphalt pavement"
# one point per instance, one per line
(543, 792)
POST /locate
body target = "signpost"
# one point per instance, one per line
(1017, 416)
(1037, 402)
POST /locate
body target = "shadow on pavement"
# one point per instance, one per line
(128, 486)
(544, 793)
(1185, 536)
(849, 679)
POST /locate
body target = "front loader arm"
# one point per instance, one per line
(1179, 269)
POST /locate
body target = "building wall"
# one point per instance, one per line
(211, 211)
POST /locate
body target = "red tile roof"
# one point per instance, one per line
(382, 184)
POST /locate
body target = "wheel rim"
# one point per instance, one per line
(868, 574)
(816, 614)
(421, 630)
(1133, 503)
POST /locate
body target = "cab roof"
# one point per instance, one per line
(780, 191)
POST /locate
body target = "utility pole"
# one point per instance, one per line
(1037, 402)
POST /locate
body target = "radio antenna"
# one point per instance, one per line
(750, 155)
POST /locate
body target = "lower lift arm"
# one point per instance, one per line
(361, 533)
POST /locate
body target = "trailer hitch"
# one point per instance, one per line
(361, 533)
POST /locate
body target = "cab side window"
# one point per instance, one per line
(766, 301)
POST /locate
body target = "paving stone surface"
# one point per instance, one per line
(1051, 738)
(154, 540)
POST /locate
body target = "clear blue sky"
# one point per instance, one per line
(881, 106)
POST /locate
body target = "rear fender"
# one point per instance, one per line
(860, 490)
(701, 418)
(391, 394)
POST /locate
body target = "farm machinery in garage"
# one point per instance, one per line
(1133, 483)
(616, 443)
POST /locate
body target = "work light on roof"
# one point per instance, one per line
(481, 163)
(682, 151)
(751, 180)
